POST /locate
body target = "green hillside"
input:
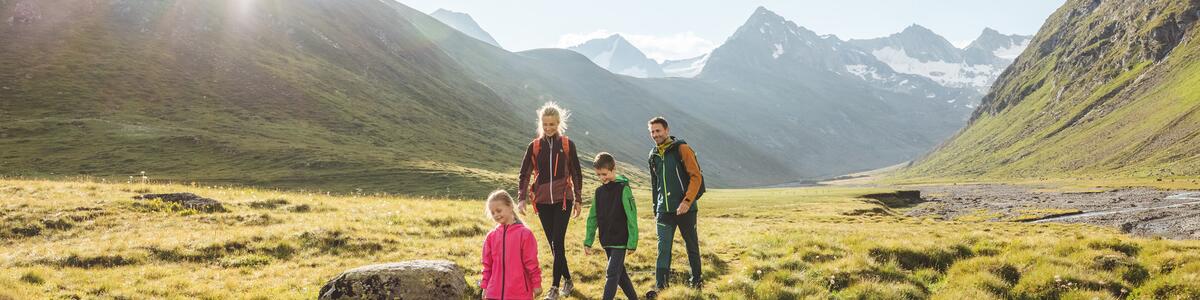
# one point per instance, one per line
(342, 96)
(1106, 89)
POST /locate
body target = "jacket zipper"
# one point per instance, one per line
(553, 168)
(662, 159)
(503, 260)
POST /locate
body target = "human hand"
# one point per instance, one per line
(587, 251)
(537, 292)
(683, 208)
(521, 207)
(576, 210)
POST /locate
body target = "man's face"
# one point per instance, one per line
(659, 133)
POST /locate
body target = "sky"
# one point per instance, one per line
(676, 29)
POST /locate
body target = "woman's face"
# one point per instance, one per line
(501, 213)
(549, 125)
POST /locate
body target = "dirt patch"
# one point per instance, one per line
(897, 199)
(1139, 211)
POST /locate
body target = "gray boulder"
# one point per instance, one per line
(419, 279)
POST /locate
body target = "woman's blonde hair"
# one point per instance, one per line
(501, 196)
(551, 109)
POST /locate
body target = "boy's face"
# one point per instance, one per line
(606, 175)
(501, 213)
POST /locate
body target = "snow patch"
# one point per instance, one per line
(604, 59)
(862, 71)
(778, 50)
(1012, 51)
(944, 73)
(686, 69)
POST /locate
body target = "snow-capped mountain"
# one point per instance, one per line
(919, 51)
(770, 44)
(686, 68)
(991, 44)
(465, 24)
(815, 99)
(617, 55)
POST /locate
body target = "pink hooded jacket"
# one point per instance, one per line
(510, 263)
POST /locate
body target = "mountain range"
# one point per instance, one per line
(374, 96)
(916, 50)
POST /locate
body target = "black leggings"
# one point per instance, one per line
(554, 222)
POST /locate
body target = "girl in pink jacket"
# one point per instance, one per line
(510, 264)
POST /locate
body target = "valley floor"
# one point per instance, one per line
(80, 239)
(1140, 211)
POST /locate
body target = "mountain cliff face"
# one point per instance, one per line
(1106, 88)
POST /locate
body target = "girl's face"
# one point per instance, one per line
(549, 125)
(502, 214)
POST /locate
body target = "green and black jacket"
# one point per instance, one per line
(674, 176)
(614, 213)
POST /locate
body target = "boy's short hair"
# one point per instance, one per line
(604, 161)
(660, 121)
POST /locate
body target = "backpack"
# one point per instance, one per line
(703, 182)
(537, 149)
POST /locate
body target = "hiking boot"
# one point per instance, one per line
(650, 295)
(552, 294)
(566, 288)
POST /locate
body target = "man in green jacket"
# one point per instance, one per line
(676, 183)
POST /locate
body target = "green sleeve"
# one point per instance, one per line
(591, 225)
(630, 217)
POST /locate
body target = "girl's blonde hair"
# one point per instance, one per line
(551, 109)
(501, 196)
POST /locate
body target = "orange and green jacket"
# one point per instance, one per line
(675, 176)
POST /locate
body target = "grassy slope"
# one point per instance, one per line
(263, 94)
(1085, 115)
(91, 240)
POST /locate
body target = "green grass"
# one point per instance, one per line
(757, 244)
(244, 103)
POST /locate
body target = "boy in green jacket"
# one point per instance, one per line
(613, 212)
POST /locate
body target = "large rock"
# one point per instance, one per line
(188, 201)
(419, 279)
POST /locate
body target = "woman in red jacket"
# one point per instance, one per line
(550, 178)
(510, 263)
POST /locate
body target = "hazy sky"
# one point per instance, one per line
(673, 29)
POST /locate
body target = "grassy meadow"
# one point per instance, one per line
(84, 239)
